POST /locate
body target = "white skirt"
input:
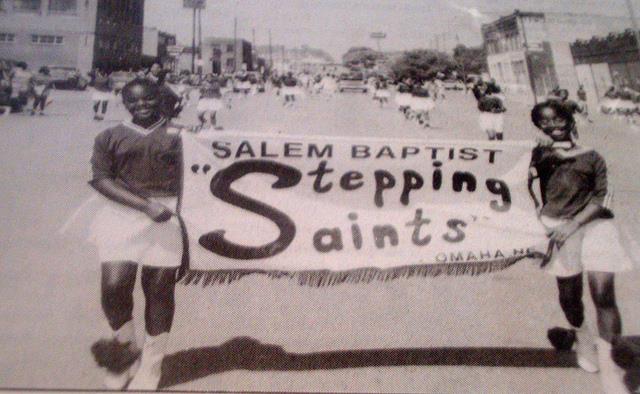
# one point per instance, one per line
(594, 247)
(382, 93)
(121, 233)
(291, 91)
(491, 121)
(209, 104)
(99, 95)
(403, 99)
(421, 103)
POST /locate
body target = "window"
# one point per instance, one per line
(63, 6)
(27, 5)
(231, 62)
(46, 39)
(7, 37)
(230, 48)
(3, 5)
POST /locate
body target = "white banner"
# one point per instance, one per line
(334, 209)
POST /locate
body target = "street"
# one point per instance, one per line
(445, 334)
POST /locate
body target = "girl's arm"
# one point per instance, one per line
(561, 233)
(115, 192)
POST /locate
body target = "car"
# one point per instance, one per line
(451, 84)
(63, 77)
(352, 82)
(121, 78)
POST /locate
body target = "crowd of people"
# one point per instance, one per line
(136, 166)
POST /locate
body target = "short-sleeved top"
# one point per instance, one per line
(570, 181)
(210, 90)
(102, 83)
(289, 81)
(145, 161)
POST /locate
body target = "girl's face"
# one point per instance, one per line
(554, 126)
(142, 102)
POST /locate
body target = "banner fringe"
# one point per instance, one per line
(326, 278)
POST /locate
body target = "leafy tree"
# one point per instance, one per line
(422, 64)
(361, 57)
(471, 60)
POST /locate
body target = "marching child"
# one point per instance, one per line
(576, 211)
(422, 104)
(40, 88)
(136, 168)
(210, 100)
(102, 85)
(491, 107)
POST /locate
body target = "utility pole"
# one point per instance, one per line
(199, 40)
(235, 44)
(193, 43)
(270, 52)
(254, 55)
(527, 59)
(634, 24)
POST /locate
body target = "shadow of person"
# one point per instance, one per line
(249, 354)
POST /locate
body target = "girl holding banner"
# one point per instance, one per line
(136, 168)
(577, 213)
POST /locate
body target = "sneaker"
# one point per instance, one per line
(118, 381)
(148, 375)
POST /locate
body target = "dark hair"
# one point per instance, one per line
(144, 82)
(560, 110)
(22, 65)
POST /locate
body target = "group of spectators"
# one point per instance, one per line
(18, 86)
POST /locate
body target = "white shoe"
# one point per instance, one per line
(150, 371)
(118, 381)
(586, 352)
(611, 375)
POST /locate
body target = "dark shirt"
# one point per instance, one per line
(145, 161)
(210, 90)
(569, 184)
(582, 95)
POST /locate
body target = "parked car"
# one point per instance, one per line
(451, 84)
(63, 77)
(353, 82)
(121, 78)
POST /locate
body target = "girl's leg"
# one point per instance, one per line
(570, 297)
(213, 118)
(201, 118)
(602, 288)
(118, 281)
(105, 105)
(43, 102)
(158, 285)
(96, 105)
(117, 284)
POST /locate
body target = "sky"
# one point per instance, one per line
(337, 25)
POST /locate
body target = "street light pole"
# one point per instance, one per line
(193, 44)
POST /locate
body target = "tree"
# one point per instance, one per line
(422, 64)
(471, 60)
(361, 57)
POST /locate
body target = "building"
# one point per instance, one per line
(154, 46)
(226, 55)
(602, 62)
(303, 58)
(530, 51)
(73, 33)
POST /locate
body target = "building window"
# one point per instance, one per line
(230, 48)
(63, 6)
(27, 5)
(231, 63)
(3, 5)
(7, 37)
(46, 39)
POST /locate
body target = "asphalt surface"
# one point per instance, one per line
(444, 335)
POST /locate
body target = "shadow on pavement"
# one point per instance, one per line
(246, 353)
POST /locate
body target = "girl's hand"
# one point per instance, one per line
(562, 232)
(158, 212)
(544, 141)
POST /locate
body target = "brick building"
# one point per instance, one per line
(72, 33)
(532, 49)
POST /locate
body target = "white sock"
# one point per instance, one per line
(126, 333)
(150, 371)
(611, 375)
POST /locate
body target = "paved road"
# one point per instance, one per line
(483, 334)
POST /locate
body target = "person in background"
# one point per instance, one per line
(582, 102)
(576, 210)
(102, 93)
(20, 86)
(491, 107)
(210, 100)
(40, 88)
(5, 88)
